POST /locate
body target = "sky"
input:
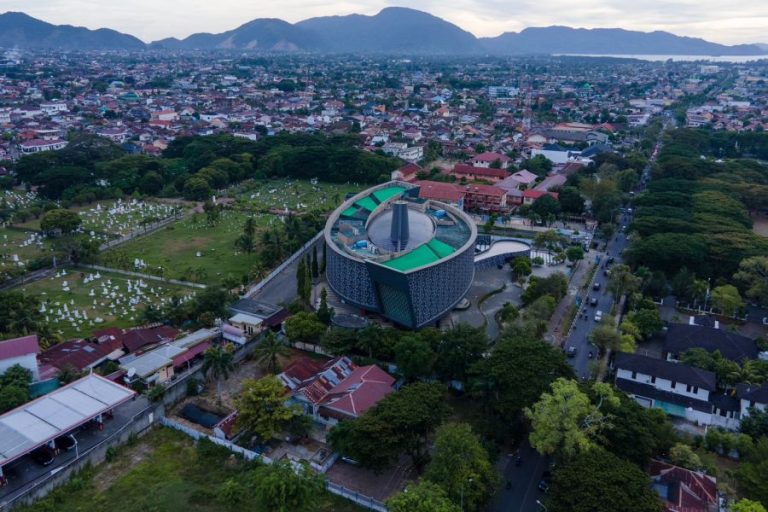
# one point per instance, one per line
(721, 21)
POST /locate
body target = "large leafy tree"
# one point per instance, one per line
(517, 372)
(460, 465)
(19, 314)
(281, 487)
(751, 473)
(414, 357)
(400, 423)
(304, 326)
(422, 497)
(622, 281)
(566, 421)
(218, 363)
(458, 349)
(65, 221)
(261, 407)
(598, 481)
(753, 275)
(727, 299)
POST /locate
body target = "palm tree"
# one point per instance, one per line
(269, 350)
(218, 363)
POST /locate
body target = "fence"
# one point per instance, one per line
(280, 268)
(229, 445)
(143, 276)
(136, 233)
(26, 278)
(360, 499)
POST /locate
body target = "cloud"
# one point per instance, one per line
(714, 20)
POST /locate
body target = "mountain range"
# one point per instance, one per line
(394, 30)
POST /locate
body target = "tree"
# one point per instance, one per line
(521, 268)
(648, 322)
(218, 363)
(683, 455)
(283, 487)
(566, 421)
(212, 213)
(554, 285)
(599, 481)
(727, 299)
(574, 253)
(755, 425)
(622, 281)
(458, 349)
(515, 375)
(538, 165)
(19, 314)
(571, 200)
(246, 241)
(745, 505)
(546, 206)
(324, 313)
(269, 350)
(414, 357)
(197, 189)
(63, 221)
(753, 275)
(461, 466)
(12, 397)
(305, 327)
(401, 422)
(314, 268)
(605, 337)
(261, 407)
(422, 497)
(751, 473)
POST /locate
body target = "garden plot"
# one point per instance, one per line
(74, 302)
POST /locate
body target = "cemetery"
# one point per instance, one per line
(295, 196)
(74, 302)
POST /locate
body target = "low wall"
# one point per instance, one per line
(253, 290)
(142, 276)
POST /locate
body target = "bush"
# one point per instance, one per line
(111, 454)
(156, 393)
(193, 387)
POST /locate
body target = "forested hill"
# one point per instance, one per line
(92, 168)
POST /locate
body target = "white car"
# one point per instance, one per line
(598, 316)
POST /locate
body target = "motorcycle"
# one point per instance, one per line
(590, 355)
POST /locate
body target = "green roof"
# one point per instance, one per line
(349, 212)
(388, 193)
(442, 249)
(420, 256)
(367, 204)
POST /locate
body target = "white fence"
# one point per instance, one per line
(194, 434)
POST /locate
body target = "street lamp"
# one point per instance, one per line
(539, 503)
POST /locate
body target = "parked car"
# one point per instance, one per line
(66, 443)
(571, 352)
(596, 286)
(43, 455)
(593, 302)
(546, 478)
(599, 316)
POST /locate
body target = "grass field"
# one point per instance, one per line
(162, 472)
(112, 302)
(176, 249)
(295, 195)
(23, 244)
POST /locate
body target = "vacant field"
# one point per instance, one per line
(296, 195)
(74, 307)
(164, 472)
(191, 250)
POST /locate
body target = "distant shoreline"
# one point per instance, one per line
(678, 58)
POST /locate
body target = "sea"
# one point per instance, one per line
(680, 58)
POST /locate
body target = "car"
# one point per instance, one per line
(610, 260)
(546, 478)
(593, 302)
(43, 455)
(571, 352)
(596, 286)
(66, 443)
(598, 316)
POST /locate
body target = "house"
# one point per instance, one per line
(22, 351)
(251, 317)
(84, 354)
(335, 390)
(683, 490)
(487, 159)
(752, 396)
(37, 146)
(550, 182)
(485, 197)
(469, 172)
(680, 338)
(530, 196)
(439, 191)
(525, 178)
(406, 173)
(146, 337)
(679, 390)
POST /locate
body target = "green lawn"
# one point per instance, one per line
(296, 195)
(162, 472)
(117, 311)
(176, 249)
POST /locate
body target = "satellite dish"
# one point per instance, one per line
(131, 372)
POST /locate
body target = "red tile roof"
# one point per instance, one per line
(18, 347)
(486, 190)
(468, 170)
(688, 491)
(491, 157)
(360, 391)
(136, 339)
(439, 191)
(79, 354)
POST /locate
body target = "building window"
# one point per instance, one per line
(674, 384)
(653, 379)
(688, 388)
(634, 375)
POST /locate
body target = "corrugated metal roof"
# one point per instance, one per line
(35, 423)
